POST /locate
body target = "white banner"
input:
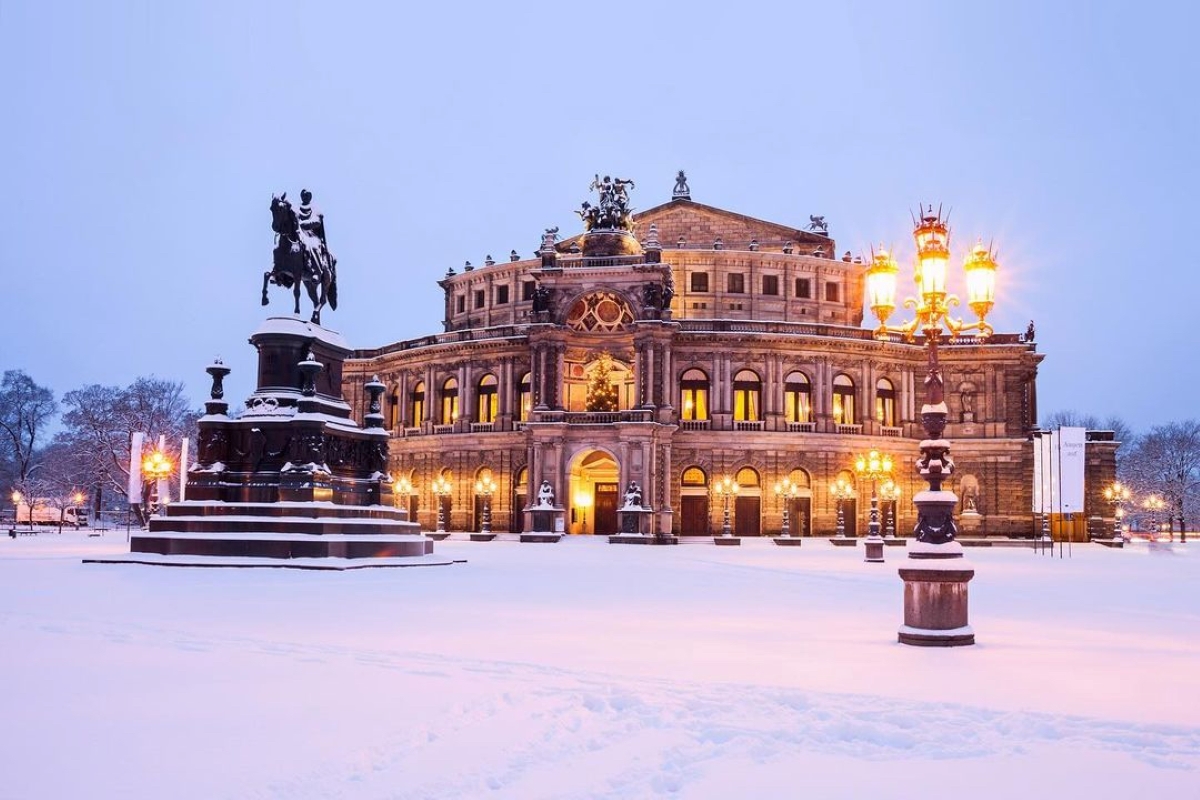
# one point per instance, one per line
(183, 469)
(1037, 473)
(1045, 473)
(1071, 449)
(134, 495)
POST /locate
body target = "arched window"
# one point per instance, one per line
(800, 477)
(416, 404)
(693, 395)
(747, 478)
(449, 402)
(843, 401)
(797, 398)
(747, 394)
(524, 398)
(486, 400)
(393, 410)
(885, 403)
(694, 476)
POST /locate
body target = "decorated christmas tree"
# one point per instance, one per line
(601, 394)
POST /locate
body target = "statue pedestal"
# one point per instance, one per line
(970, 523)
(935, 597)
(634, 525)
(543, 524)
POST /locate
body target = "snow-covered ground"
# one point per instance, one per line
(588, 670)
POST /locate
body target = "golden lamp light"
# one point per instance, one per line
(932, 306)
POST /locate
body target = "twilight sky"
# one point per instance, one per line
(143, 141)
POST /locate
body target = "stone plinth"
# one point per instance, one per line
(935, 597)
(843, 541)
(480, 536)
(545, 520)
(727, 541)
(541, 538)
(788, 541)
(873, 547)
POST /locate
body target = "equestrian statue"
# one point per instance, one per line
(301, 254)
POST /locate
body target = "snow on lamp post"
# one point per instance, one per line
(1117, 495)
(935, 582)
(872, 467)
(402, 487)
(442, 487)
(485, 487)
(726, 488)
(1154, 504)
(890, 494)
(841, 491)
(157, 467)
(785, 490)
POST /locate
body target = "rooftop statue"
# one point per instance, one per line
(302, 254)
(817, 224)
(613, 212)
(681, 191)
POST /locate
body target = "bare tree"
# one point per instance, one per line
(1167, 461)
(26, 410)
(101, 420)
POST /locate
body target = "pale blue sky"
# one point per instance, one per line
(143, 141)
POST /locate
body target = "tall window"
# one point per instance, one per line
(736, 282)
(770, 284)
(487, 401)
(528, 289)
(524, 399)
(480, 298)
(747, 394)
(885, 403)
(393, 410)
(501, 295)
(804, 288)
(416, 404)
(699, 281)
(797, 398)
(694, 399)
(843, 400)
(831, 292)
(449, 402)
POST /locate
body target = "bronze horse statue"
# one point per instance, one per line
(295, 263)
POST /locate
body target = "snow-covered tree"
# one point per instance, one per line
(26, 411)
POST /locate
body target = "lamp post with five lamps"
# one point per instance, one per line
(873, 466)
(935, 600)
(485, 487)
(786, 491)
(890, 494)
(841, 490)
(442, 487)
(726, 488)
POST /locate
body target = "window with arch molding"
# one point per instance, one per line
(747, 478)
(797, 398)
(487, 400)
(693, 388)
(747, 396)
(843, 401)
(449, 402)
(885, 403)
(694, 476)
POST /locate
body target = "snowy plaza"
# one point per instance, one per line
(588, 670)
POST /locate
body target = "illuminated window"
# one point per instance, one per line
(694, 398)
(487, 400)
(843, 400)
(797, 398)
(747, 477)
(747, 395)
(449, 402)
(416, 404)
(393, 410)
(885, 403)
(524, 399)
(694, 476)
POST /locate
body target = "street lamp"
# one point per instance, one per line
(16, 501)
(157, 468)
(890, 493)
(726, 488)
(841, 490)
(872, 467)
(442, 487)
(485, 487)
(944, 600)
(1154, 504)
(402, 487)
(583, 499)
(1117, 495)
(786, 491)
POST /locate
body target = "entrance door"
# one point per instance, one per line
(850, 512)
(693, 512)
(606, 509)
(746, 522)
(800, 516)
(517, 517)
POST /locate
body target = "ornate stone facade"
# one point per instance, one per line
(736, 348)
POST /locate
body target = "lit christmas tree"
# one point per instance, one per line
(601, 394)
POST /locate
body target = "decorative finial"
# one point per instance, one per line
(681, 192)
(467, 267)
(753, 245)
(488, 261)
(652, 242)
(789, 248)
(512, 256)
(718, 244)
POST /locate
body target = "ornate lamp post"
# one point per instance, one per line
(157, 467)
(442, 487)
(1154, 504)
(890, 493)
(935, 598)
(785, 490)
(872, 467)
(1118, 495)
(841, 490)
(485, 487)
(726, 488)
(16, 501)
(402, 487)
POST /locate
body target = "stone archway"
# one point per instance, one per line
(593, 478)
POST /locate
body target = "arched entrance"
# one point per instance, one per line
(593, 493)
(748, 503)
